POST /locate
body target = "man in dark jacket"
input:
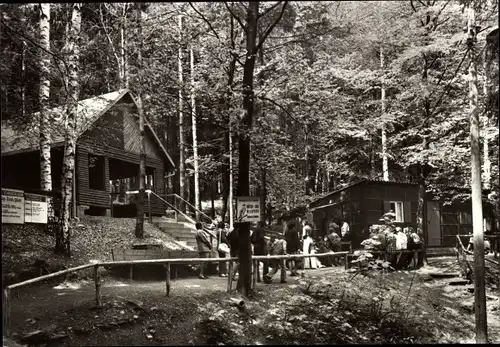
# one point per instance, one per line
(292, 245)
(204, 248)
(333, 241)
(276, 247)
(260, 247)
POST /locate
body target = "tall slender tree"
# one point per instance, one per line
(195, 141)
(477, 207)
(385, 164)
(73, 51)
(250, 27)
(139, 226)
(123, 49)
(182, 145)
(44, 95)
(485, 121)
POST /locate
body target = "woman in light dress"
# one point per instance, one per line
(308, 248)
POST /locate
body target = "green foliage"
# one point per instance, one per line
(317, 85)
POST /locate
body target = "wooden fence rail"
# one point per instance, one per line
(166, 262)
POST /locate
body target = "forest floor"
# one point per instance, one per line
(92, 238)
(327, 305)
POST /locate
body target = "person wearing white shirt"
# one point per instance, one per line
(401, 239)
(344, 230)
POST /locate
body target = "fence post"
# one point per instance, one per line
(131, 272)
(283, 270)
(150, 218)
(6, 311)
(167, 280)
(415, 260)
(97, 286)
(230, 277)
(346, 261)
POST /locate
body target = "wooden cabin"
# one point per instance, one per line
(107, 156)
(363, 203)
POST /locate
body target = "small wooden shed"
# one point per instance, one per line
(363, 203)
(107, 155)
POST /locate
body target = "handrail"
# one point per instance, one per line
(462, 245)
(194, 207)
(183, 214)
(51, 275)
(175, 208)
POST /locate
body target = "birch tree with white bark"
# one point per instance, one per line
(73, 53)
(44, 94)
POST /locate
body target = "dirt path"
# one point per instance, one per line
(32, 306)
(151, 318)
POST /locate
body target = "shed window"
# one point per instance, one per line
(397, 207)
(96, 172)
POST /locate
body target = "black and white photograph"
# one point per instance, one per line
(250, 173)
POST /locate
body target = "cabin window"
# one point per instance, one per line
(149, 181)
(397, 207)
(96, 172)
(465, 217)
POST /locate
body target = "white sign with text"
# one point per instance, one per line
(35, 208)
(12, 206)
(247, 209)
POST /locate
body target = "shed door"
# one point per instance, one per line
(433, 224)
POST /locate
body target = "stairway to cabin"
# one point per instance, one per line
(182, 230)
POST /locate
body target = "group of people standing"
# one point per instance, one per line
(298, 237)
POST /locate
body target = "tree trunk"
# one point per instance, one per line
(420, 209)
(226, 166)
(385, 165)
(477, 208)
(70, 138)
(485, 121)
(197, 201)
(139, 226)
(373, 169)
(316, 179)
(231, 179)
(23, 77)
(182, 153)
(213, 188)
(124, 55)
(244, 143)
(44, 94)
(225, 177)
(306, 159)
(263, 194)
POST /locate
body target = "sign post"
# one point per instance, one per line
(12, 206)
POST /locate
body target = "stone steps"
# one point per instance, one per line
(181, 231)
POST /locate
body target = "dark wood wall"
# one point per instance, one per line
(108, 138)
(22, 171)
(363, 204)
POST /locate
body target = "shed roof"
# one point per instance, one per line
(15, 141)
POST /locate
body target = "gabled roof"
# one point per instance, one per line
(15, 141)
